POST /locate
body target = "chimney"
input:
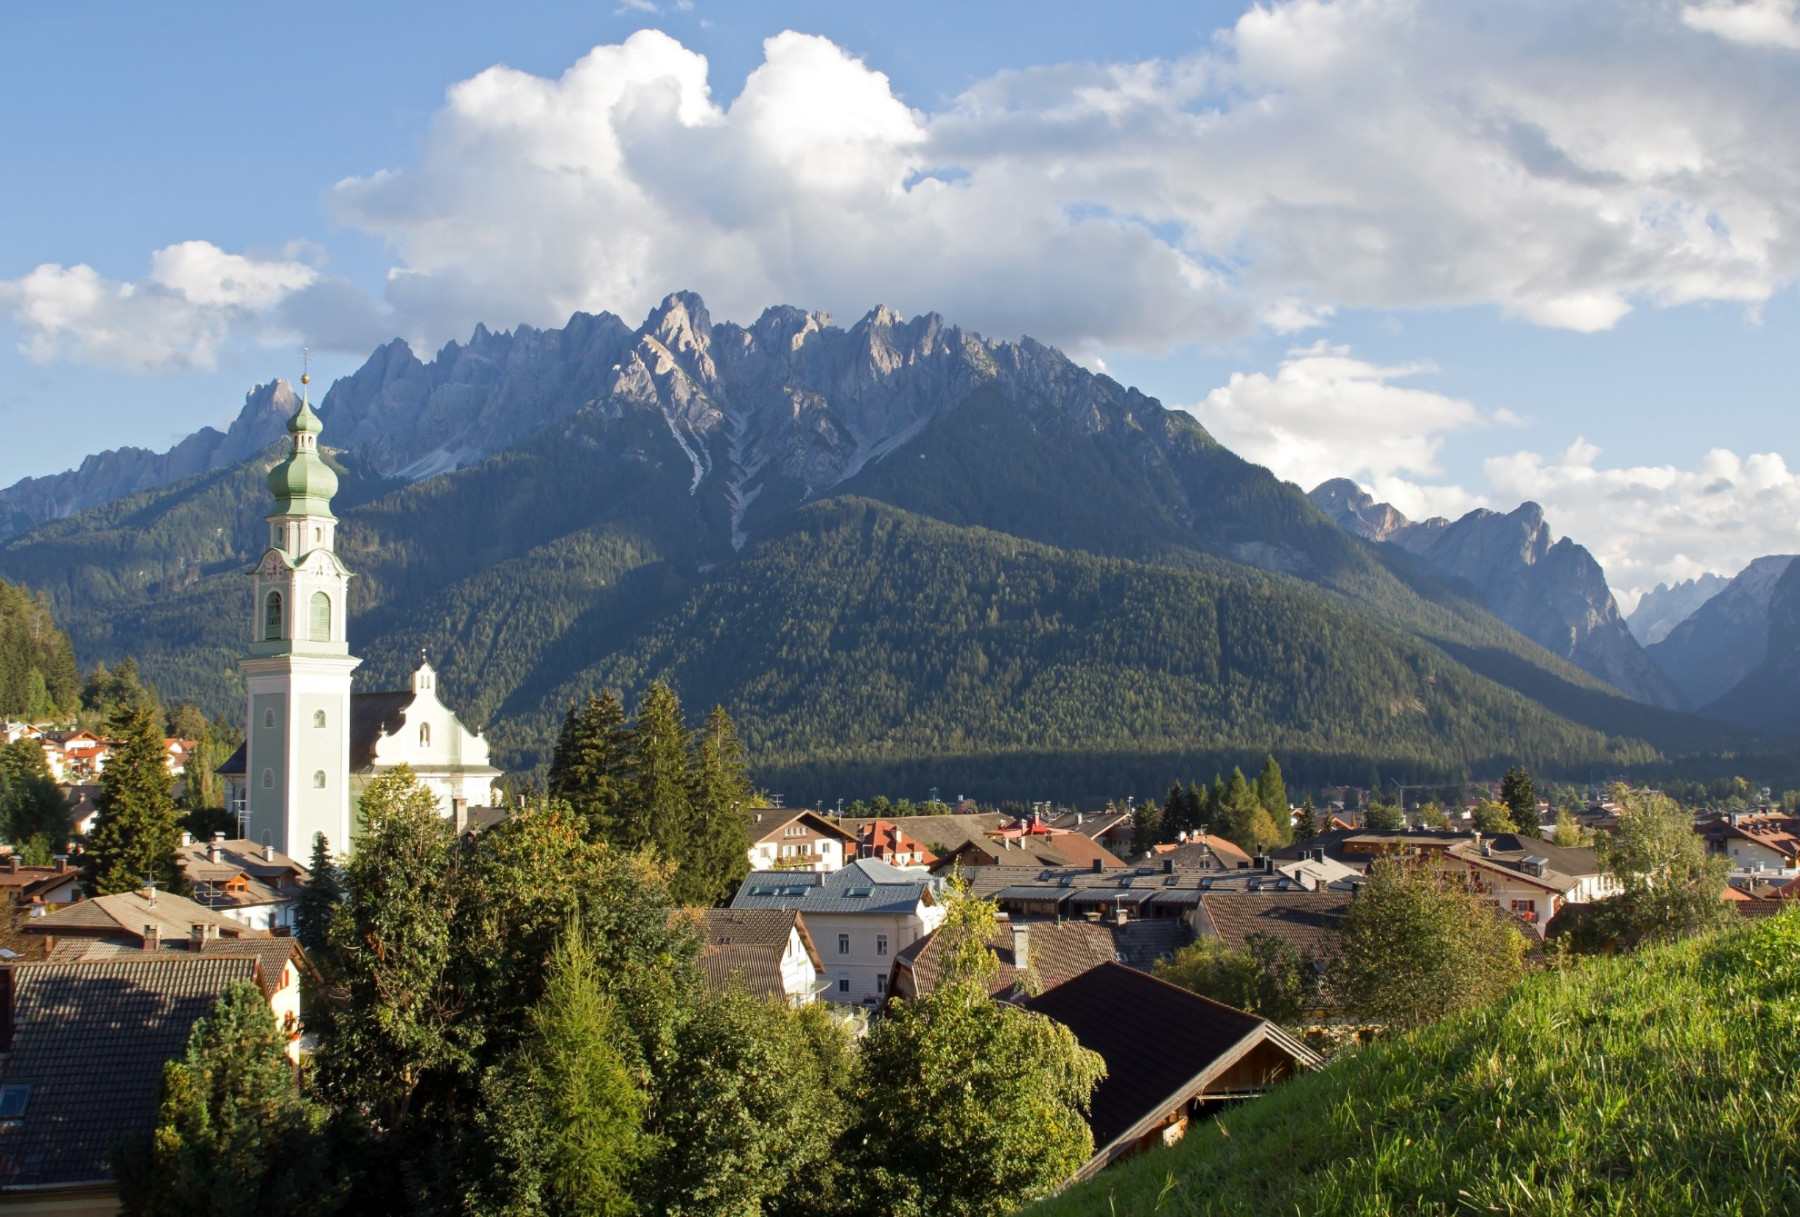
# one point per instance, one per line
(62, 863)
(1021, 946)
(1268, 864)
(187, 838)
(268, 852)
(214, 846)
(152, 938)
(1080, 819)
(149, 893)
(13, 863)
(197, 936)
(1168, 866)
(459, 815)
(1121, 915)
(1099, 866)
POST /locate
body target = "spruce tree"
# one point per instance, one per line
(1216, 818)
(1271, 792)
(1519, 794)
(1146, 826)
(136, 838)
(234, 1136)
(324, 892)
(588, 770)
(718, 854)
(1174, 814)
(1194, 807)
(654, 810)
(1307, 827)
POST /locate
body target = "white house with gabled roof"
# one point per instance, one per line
(860, 916)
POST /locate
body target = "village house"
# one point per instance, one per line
(1113, 830)
(790, 839)
(1529, 877)
(883, 841)
(942, 835)
(82, 1049)
(39, 887)
(1771, 840)
(1172, 1057)
(250, 883)
(132, 924)
(859, 916)
(1096, 892)
(1035, 956)
(768, 951)
(1066, 849)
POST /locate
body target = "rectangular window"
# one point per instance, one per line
(13, 1101)
(843, 944)
(881, 984)
(881, 944)
(843, 984)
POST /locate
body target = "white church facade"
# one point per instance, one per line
(311, 746)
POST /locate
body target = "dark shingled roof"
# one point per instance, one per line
(1057, 951)
(373, 715)
(90, 1040)
(1306, 921)
(1155, 1038)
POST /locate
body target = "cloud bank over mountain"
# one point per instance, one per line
(1564, 163)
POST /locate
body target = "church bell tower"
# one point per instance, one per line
(297, 668)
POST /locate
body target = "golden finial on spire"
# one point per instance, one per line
(305, 373)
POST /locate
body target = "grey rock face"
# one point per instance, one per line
(118, 472)
(1727, 637)
(1554, 594)
(1768, 697)
(1664, 608)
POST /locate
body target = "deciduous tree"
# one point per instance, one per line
(1416, 944)
(1672, 887)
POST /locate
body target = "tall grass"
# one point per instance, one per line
(1661, 1082)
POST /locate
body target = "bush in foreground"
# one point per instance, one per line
(1660, 1082)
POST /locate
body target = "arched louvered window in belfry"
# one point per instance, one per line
(272, 617)
(321, 617)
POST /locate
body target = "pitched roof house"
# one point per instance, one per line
(39, 885)
(884, 841)
(1306, 921)
(1035, 956)
(859, 916)
(1171, 1056)
(82, 1047)
(1530, 877)
(797, 839)
(251, 883)
(769, 951)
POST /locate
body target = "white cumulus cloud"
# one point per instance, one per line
(1325, 413)
(1565, 163)
(1773, 23)
(173, 319)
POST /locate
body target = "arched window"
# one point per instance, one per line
(424, 735)
(318, 779)
(321, 617)
(268, 779)
(272, 617)
(318, 718)
(269, 717)
(318, 535)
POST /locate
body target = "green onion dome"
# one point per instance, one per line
(303, 483)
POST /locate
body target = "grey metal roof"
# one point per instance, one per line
(864, 886)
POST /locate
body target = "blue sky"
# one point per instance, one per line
(1466, 253)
